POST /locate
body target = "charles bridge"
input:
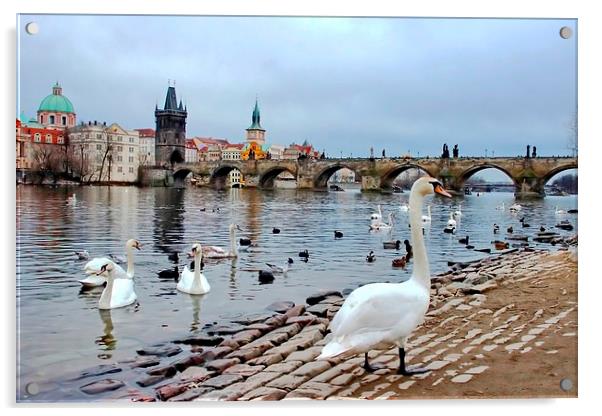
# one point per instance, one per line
(529, 175)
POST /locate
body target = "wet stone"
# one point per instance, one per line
(224, 329)
(313, 390)
(161, 350)
(285, 367)
(230, 343)
(252, 318)
(280, 307)
(190, 394)
(214, 353)
(221, 381)
(319, 309)
(261, 327)
(289, 330)
(150, 380)
(244, 370)
(266, 360)
(276, 320)
(321, 295)
(166, 371)
(99, 371)
(265, 393)
(144, 362)
(195, 374)
(287, 382)
(101, 386)
(189, 361)
(312, 369)
(246, 353)
(244, 337)
(221, 364)
(171, 390)
(303, 320)
(295, 311)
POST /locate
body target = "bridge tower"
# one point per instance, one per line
(170, 136)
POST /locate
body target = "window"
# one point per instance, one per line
(131, 159)
(87, 146)
(99, 147)
(64, 120)
(41, 119)
(131, 169)
(51, 119)
(48, 138)
(119, 169)
(98, 158)
(37, 138)
(60, 140)
(99, 136)
(120, 148)
(131, 140)
(119, 138)
(131, 150)
(119, 158)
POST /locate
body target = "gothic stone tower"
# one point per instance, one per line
(255, 133)
(170, 136)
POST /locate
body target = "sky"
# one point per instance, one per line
(343, 84)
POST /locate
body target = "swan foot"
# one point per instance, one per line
(370, 368)
(403, 370)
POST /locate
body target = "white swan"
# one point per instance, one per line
(215, 252)
(281, 270)
(458, 212)
(451, 223)
(404, 207)
(376, 218)
(382, 226)
(515, 207)
(194, 282)
(380, 315)
(427, 218)
(560, 211)
(119, 291)
(92, 268)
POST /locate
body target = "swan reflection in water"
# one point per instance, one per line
(107, 341)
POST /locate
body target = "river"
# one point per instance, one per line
(61, 331)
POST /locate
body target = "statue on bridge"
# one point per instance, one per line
(528, 151)
(534, 152)
(455, 151)
(445, 154)
(384, 153)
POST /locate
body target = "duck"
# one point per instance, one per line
(409, 252)
(469, 247)
(559, 211)
(338, 234)
(215, 252)
(265, 277)
(496, 228)
(169, 273)
(92, 268)
(275, 230)
(174, 257)
(458, 213)
(194, 282)
(392, 244)
(304, 254)
(119, 291)
(245, 242)
(523, 223)
(509, 230)
(370, 258)
(464, 240)
(82, 255)
(500, 245)
(542, 229)
(281, 270)
(451, 222)
(449, 230)
(399, 262)
(381, 315)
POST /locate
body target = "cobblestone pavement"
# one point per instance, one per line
(467, 334)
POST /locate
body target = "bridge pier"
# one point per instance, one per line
(529, 187)
(156, 176)
(371, 184)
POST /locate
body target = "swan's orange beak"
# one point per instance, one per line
(439, 189)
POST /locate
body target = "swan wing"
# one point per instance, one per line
(378, 306)
(123, 292)
(94, 266)
(93, 281)
(275, 269)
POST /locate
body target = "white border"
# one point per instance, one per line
(590, 137)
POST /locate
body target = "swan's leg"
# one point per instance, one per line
(370, 368)
(402, 365)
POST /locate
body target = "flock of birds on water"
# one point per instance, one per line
(373, 316)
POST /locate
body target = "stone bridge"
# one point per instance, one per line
(529, 175)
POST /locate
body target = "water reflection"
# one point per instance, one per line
(168, 230)
(107, 341)
(196, 312)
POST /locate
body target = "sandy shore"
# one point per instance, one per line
(505, 326)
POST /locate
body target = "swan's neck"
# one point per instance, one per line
(197, 269)
(107, 294)
(233, 246)
(421, 272)
(130, 259)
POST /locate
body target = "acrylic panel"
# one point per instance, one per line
(242, 208)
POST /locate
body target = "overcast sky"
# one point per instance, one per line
(342, 84)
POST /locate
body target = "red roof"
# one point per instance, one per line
(146, 132)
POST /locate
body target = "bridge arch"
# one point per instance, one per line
(465, 175)
(220, 175)
(179, 176)
(386, 180)
(557, 170)
(321, 179)
(266, 180)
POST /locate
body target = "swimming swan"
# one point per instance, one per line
(119, 291)
(194, 282)
(214, 252)
(379, 315)
(92, 268)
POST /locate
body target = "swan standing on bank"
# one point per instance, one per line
(214, 252)
(92, 268)
(119, 291)
(380, 315)
(194, 282)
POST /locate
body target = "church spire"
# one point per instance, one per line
(170, 100)
(256, 118)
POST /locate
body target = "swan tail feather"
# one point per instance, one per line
(332, 349)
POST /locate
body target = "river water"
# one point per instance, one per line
(61, 331)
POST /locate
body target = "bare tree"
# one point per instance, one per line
(107, 155)
(47, 159)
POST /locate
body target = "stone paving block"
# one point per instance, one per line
(312, 368)
(287, 382)
(221, 381)
(285, 367)
(328, 375)
(290, 330)
(284, 349)
(244, 370)
(260, 379)
(266, 360)
(264, 393)
(313, 390)
(346, 392)
(304, 355)
(342, 380)
(221, 364)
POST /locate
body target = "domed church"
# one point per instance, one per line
(56, 110)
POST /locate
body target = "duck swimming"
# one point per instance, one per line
(338, 234)
(370, 258)
(380, 315)
(392, 244)
(399, 262)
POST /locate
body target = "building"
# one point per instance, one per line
(105, 153)
(170, 135)
(56, 110)
(147, 147)
(255, 147)
(192, 154)
(23, 163)
(232, 152)
(296, 151)
(276, 151)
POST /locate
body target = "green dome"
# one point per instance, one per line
(58, 103)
